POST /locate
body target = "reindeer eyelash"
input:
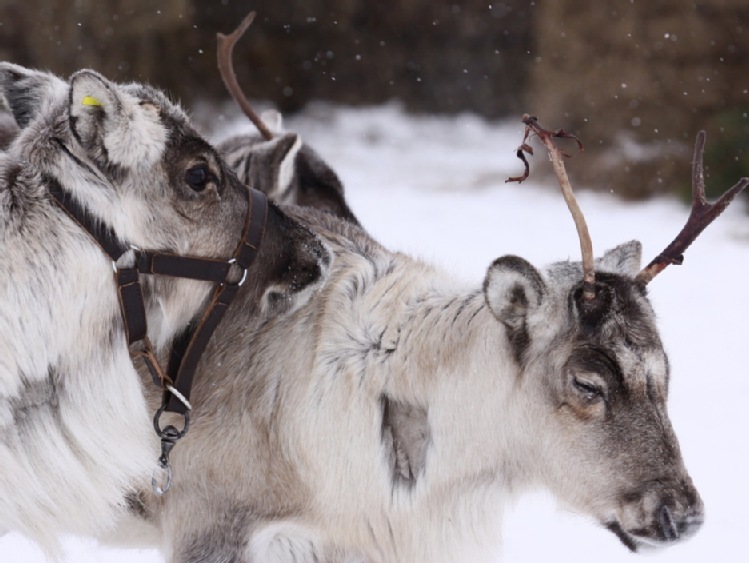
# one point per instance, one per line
(589, 390)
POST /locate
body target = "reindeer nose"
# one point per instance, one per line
(676, 522)
(670, 512)
(669, 529)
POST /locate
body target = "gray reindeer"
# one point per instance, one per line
(76, 436)
(278, 163)
(390, 418)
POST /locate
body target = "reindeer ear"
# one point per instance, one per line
(513, 289)
(625, 259)
(276, 163)
(111, 124)
(27, 91)
(273, 120)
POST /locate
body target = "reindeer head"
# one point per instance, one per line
(591, 359)
(132, 160)
(601, 374)
(287, 170)
(275, 162)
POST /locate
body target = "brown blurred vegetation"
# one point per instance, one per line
(635, 79)
(435, 56)
(649, 73)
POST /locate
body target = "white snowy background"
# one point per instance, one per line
(435, 187)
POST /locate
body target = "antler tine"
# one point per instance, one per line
(586, 245)
(701, 215)
(226, 68)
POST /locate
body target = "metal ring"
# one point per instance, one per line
(134, 248)
(157, 422)
(241, 281)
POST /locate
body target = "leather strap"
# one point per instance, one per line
(165, 264)
(183, 365)
(104, 236)
(128, 283)
(132, 305)
(183, 372)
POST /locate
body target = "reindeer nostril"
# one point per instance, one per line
(667, 524)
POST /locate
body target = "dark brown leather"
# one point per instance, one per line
(173, 265)
(132, 306)
(252, 236)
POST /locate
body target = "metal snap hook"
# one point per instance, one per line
(161, 480)
(161, 483)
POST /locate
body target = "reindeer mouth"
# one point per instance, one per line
(629, 541)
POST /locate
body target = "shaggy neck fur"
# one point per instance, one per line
(51, 274)
(410, 400)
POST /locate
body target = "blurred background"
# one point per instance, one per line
(634, 79)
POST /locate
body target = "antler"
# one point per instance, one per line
(701, 215)
(546, 136)
(226, 68)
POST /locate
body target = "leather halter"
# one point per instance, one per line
(178, 381)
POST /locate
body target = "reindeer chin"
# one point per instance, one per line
(628, 541)
(637, 543)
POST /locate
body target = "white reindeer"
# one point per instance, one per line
(76, 438)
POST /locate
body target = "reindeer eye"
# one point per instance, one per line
(197, 177)
(589, 390)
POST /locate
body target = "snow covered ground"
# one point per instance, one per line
(435, 187)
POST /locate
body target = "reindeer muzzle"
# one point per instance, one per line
(662, 515)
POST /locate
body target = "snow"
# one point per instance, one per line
(435, 187)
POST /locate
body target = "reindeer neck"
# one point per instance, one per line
(442, 350)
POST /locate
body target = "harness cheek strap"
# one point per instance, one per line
(182, 372)
(188, 348)
(185, 370)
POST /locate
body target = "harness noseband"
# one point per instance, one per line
(177, 381)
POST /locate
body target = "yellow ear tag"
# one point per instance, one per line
(90, 101)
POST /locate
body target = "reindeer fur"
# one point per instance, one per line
(355, 404)
(76, 440)
(392, 416)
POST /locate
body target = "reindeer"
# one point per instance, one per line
(353, 404)
(278, 163)
(391, 417)
(160, 204)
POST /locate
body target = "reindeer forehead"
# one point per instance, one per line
(630, 316)
(627, 334)
(172, 116)
(146, 93)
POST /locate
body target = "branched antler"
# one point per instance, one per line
(556, 155)
(701, 215)
(226, 68)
